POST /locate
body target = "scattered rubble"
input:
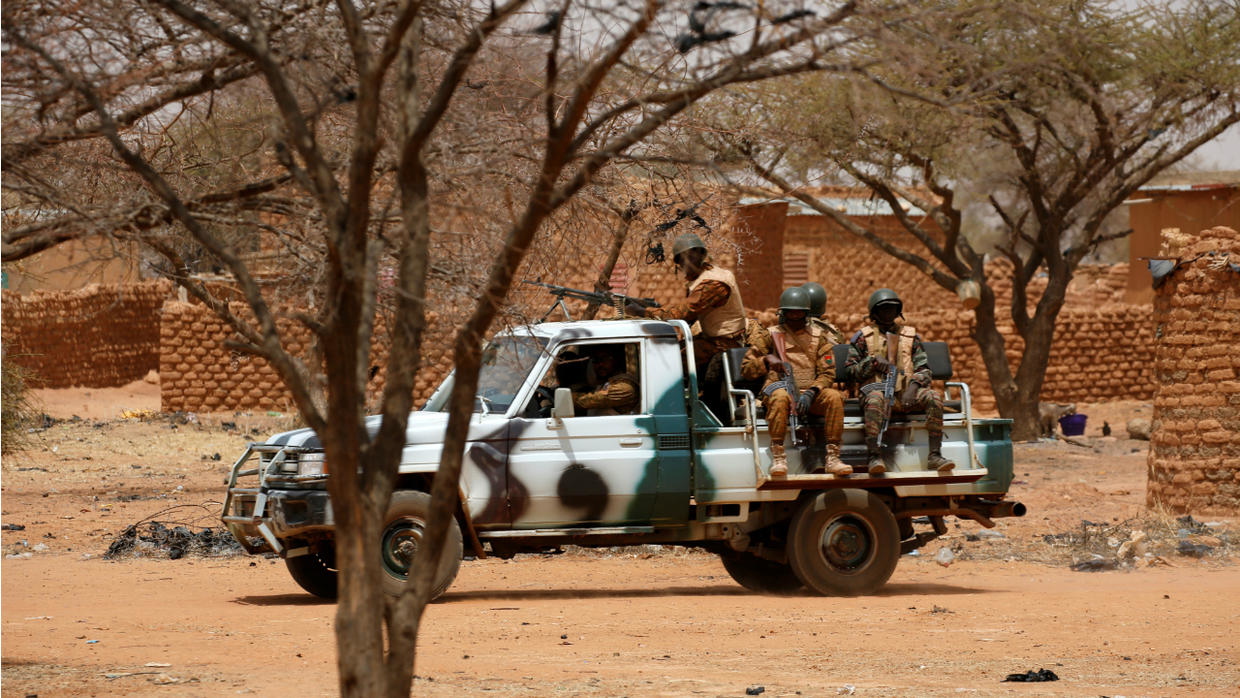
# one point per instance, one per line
(1139, 428)
(1034, 676)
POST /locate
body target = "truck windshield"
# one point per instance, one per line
(506, 361)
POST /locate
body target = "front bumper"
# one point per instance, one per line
(263, 518)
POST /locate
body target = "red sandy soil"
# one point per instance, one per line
(637, 622)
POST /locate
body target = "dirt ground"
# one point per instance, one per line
(635, 621)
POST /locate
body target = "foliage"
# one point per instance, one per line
(18, 408)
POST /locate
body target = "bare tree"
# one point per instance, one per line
(1037, 118)
(365, 128)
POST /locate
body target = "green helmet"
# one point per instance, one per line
(882, 296)
(817, 297)
(794, 298)
(685, 242)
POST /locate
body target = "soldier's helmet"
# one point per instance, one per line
(794, 298)
(884, 296)
(685, 242)
(817, 298)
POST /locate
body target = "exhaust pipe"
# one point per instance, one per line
(1006, 508)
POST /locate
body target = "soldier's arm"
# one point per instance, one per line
(921, 363)
(707, 295)
(856, 368)
(617, 395)
(754, 365)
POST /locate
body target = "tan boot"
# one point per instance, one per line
(835, 466)
(779, 462)
(936, 461)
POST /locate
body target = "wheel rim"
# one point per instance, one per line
(847, 544)
(401, 540)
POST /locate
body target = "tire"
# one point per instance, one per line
(403, 524)
(313, 574)
(759, 574)
(844, 543)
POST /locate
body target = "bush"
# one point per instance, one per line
(17, 403)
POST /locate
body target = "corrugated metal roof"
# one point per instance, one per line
(849, 206)
(1189, 181)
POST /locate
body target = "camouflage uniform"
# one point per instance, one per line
(619, 395)
(809, 352)
(912, 361)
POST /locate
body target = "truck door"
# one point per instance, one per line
(596, 468)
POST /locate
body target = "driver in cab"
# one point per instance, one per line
(617, 392)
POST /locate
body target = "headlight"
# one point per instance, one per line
(311, 463)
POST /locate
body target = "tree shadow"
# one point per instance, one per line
(927, 589)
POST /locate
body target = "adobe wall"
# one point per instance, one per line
(95, 337)
(1194, 458)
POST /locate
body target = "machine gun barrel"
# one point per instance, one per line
(615, 300)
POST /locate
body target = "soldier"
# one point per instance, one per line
(817, 308)
(712, 299)
(867, 365)
(807, 348)
(618, 392)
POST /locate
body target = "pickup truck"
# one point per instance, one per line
(539, 474)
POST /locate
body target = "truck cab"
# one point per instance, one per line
(540, 471)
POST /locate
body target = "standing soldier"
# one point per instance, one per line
(867, 365)
(807, 349)
(817, 309)
(712, 299)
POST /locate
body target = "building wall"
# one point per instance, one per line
(1194, 458)
(94, 337)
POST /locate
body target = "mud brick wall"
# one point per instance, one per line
(1194, 458)
(96, 337)
(198, 372)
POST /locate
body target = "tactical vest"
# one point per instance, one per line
(876, 345)
(728, 319)
(804, 360)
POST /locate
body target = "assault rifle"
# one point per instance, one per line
(889, 383)
(794, 420)
(615, 300)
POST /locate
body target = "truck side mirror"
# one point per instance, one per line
(563, 406)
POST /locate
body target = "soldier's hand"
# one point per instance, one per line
(805, 402)
(909, 394)
(880, 363)
(773, 363)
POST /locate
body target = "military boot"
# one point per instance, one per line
(876, 466)
(835, 466)
(936, 461)
(779, 462)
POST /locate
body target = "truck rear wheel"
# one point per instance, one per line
(844, 543)
(312, 573)
(403, 529)
(759, 574)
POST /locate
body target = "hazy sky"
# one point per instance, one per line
(1222, 153)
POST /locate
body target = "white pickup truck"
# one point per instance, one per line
(538, 474)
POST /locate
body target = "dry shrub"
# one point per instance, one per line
(20, 410)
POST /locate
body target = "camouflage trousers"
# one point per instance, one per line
(828, 404)
(926, 400)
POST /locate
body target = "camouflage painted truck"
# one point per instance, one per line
(538, 475)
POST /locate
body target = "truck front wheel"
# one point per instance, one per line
(760, 575)
(403, 530)
(844, 543)
(313, 572)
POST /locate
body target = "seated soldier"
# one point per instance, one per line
(806, 349)
(867, 366)
(617, 392)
